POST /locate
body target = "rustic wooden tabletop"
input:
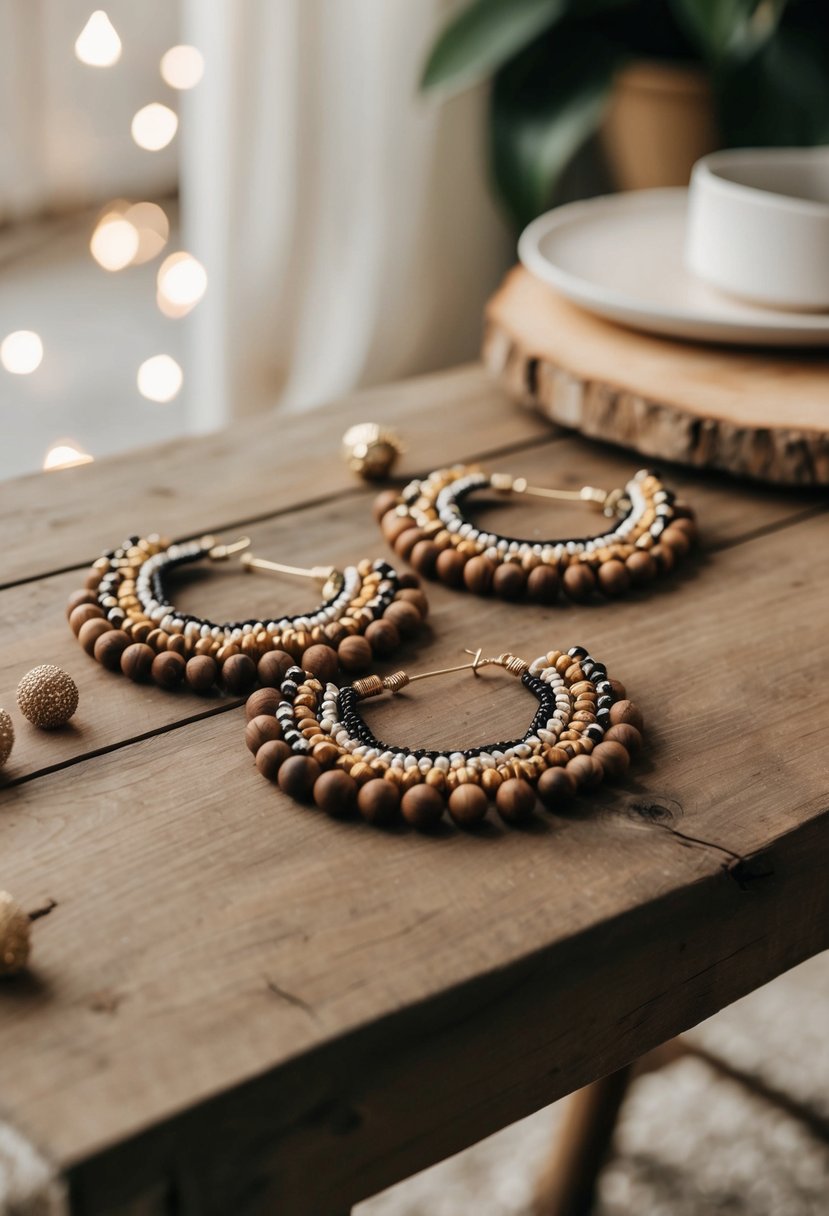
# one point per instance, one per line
(240, 1005)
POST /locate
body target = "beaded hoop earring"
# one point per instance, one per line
(427, 526)
(125, 619)
(314, 742)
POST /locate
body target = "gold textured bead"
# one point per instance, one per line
(370, 451)
(47, 696)
(14, 935)
(6, 736)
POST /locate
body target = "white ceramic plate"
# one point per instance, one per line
(622, 257)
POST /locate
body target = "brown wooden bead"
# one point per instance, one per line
(264, 728)
(509, 581)
(424, 558)
(238, 673)
(543, 585)
(617, 688)
(629, 737)
(450, 567)
(408, 580)
(270, 757)
(335, 792)
(468, 805)
(263, 701)
(90, 631)
(478, 574)
(355, 653)
(422, 806)
(613, 577)
(515, 800)
(177, 643)
(664, 558)
(141, 631)
(109, 647)
(321, 661)
(683, 524)
(555, 786)
(613, 758)
(384, 502)
(675, 539)
(201, 672)
(413, 595)
(641, 567)
(378, 800)
(586, 771)
(579, 581)
(405, 617)
(406, 542)
(137, 661)
(84, 596)
(297, 776)
(272, 666)
(394, 525)
(626, 711)
(383, 638)
(83, 613)
(167, 669)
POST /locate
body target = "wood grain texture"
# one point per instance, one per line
(754, 413)
(240, 1005)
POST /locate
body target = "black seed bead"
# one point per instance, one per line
(577, 652)
(594, 732)
(587, 666)
(603, 717)
(295, 673)
(604, 702)
(604, 688)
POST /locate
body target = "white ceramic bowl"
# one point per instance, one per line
(758, 225)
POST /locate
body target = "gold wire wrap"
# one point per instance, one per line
(512, 664)
(396, 681)
(369, 686)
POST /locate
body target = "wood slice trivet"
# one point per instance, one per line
(757, 413)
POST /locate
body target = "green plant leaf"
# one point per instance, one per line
(483, 37)
(781, 95)
(729, 28)
(545, 105)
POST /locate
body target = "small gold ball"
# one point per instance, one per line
(14, 936)
(371, 452)
(6, 736)
(47, 696)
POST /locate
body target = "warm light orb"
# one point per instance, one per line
(153, 228)
(182, 67)
(98, 44)
(114, 243)
(153, 126)
(64, 455)
(182, 281)
(159, 378)
(21, 352)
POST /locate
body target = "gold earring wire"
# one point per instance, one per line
(373, 686)
(608, 501)
(321, 573)
(220, 553)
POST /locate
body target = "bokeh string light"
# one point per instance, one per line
(182, 67)
(159, 378)
(181, 283)
(98, 44)
(65, 454)
(154, 126)
(114, 243)
(21, 352)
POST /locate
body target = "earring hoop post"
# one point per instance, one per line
(320, 573)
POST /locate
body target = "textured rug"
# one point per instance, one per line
(690, 1142)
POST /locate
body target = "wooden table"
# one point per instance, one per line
(241, 1006)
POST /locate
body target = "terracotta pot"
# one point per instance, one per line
(660, 121)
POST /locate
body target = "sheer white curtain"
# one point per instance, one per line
(344, 221)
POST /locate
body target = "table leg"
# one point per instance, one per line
(567, 1184)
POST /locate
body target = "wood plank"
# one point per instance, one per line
(751, 412)
(363, 987)
(339, 531)
(65, 518)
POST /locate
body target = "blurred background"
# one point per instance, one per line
(211, 208)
